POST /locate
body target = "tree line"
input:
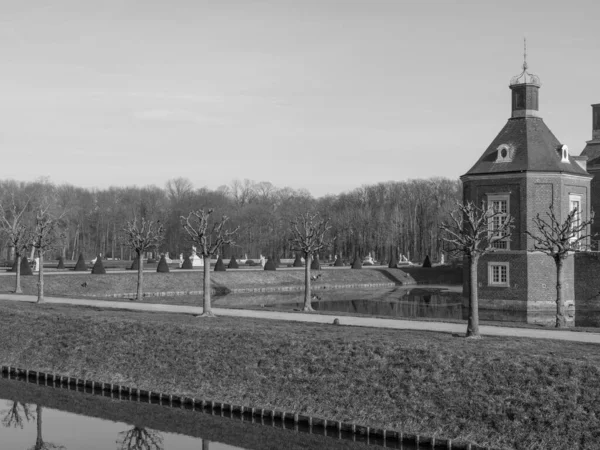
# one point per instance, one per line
(401, 217)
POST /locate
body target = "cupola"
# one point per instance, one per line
(525, 88)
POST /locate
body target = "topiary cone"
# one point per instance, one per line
(338, 262)
(219, 266)
(233, 263)
(187, 263)
(357, 264)
(298, 260)
(14, 266)
(98, 268)
(315, 265)
(270, 265)
(80, 266)
(163, 267)
(61, 263)
(135, 265)
(25, 267)
(393, 261)
(427, 262)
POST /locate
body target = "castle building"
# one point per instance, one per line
(523, 171)
(592, 153)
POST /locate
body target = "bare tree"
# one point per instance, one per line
(141, 237)
(557, 240)
(472, 232)
(140, 438)
(40, 444)
(13, 417)
(308, 231)
(208, 240)
(46, 235)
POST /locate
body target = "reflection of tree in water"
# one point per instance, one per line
(39, 441)
(13, 417)
(140, 438)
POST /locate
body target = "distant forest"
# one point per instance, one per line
(402, 216)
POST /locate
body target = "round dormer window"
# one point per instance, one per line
(505, 153)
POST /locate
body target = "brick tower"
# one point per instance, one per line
(522, 172)
(592, 153)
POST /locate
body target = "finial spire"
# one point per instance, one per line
(525, 66)
(525, 77)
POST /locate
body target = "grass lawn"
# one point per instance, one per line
(508, 393)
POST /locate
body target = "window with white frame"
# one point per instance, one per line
(498, 274)
(575, 205)
(500, 204)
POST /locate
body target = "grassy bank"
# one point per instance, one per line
(509, 393)
(81, 284)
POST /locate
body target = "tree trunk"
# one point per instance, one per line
(473, 323)
(40, 298)
(140, 280)
(561, 320)
(206, 308)
(39, 442)
(307, 293)
(18, 279)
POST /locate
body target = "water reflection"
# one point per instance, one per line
(19, 413)
(140, 438)
(40, 444)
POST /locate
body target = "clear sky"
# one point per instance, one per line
(326, 95)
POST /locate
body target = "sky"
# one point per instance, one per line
(323, 95)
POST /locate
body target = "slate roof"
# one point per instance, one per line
(535, 149)
(592, 151)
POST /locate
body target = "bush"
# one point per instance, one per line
(427, 262)
(357, 264)
(14, 266)
(135, 265)
(81, 266)
(249, 262)
(25, 267)
(61, 263)
(270, 265)
(315, 265)
(187, 263)
(98, 268)
(338, 262)
(233, 264)
(393, 261)
(219, 266)
(162, 267)
(298, 260)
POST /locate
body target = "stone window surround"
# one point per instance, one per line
(491, 266)
(496, 196)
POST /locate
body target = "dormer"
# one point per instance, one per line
(564, 153)
(505, 153)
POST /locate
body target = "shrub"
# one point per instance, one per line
(270, 265)
(25, 267)
(315, 265)
(98, 268)
(187, 263)
(163, 267)
(393, 261)
(135, 265)
(338, 262)
(61, 263)
(357, 264)
(249, 262)
(427, 262)
(219, 266)
(233, 264)
(81, 266)
(298, 260)
(14, 266)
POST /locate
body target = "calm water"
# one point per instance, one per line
(419, 302)
(40, 417)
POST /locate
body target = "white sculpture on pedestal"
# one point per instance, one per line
(263, 261)
(167, 258)
(36, 264)
(196, 260)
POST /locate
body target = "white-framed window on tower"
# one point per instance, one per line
(575, 204)
(498, 274)
(500, 203)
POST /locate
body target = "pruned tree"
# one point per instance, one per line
(557, 239)
(308, 236)
(40, 444)
(472, 232)
(46, 235)
(208, 240)
(13, 417)
(140, 438)
(141, 236)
